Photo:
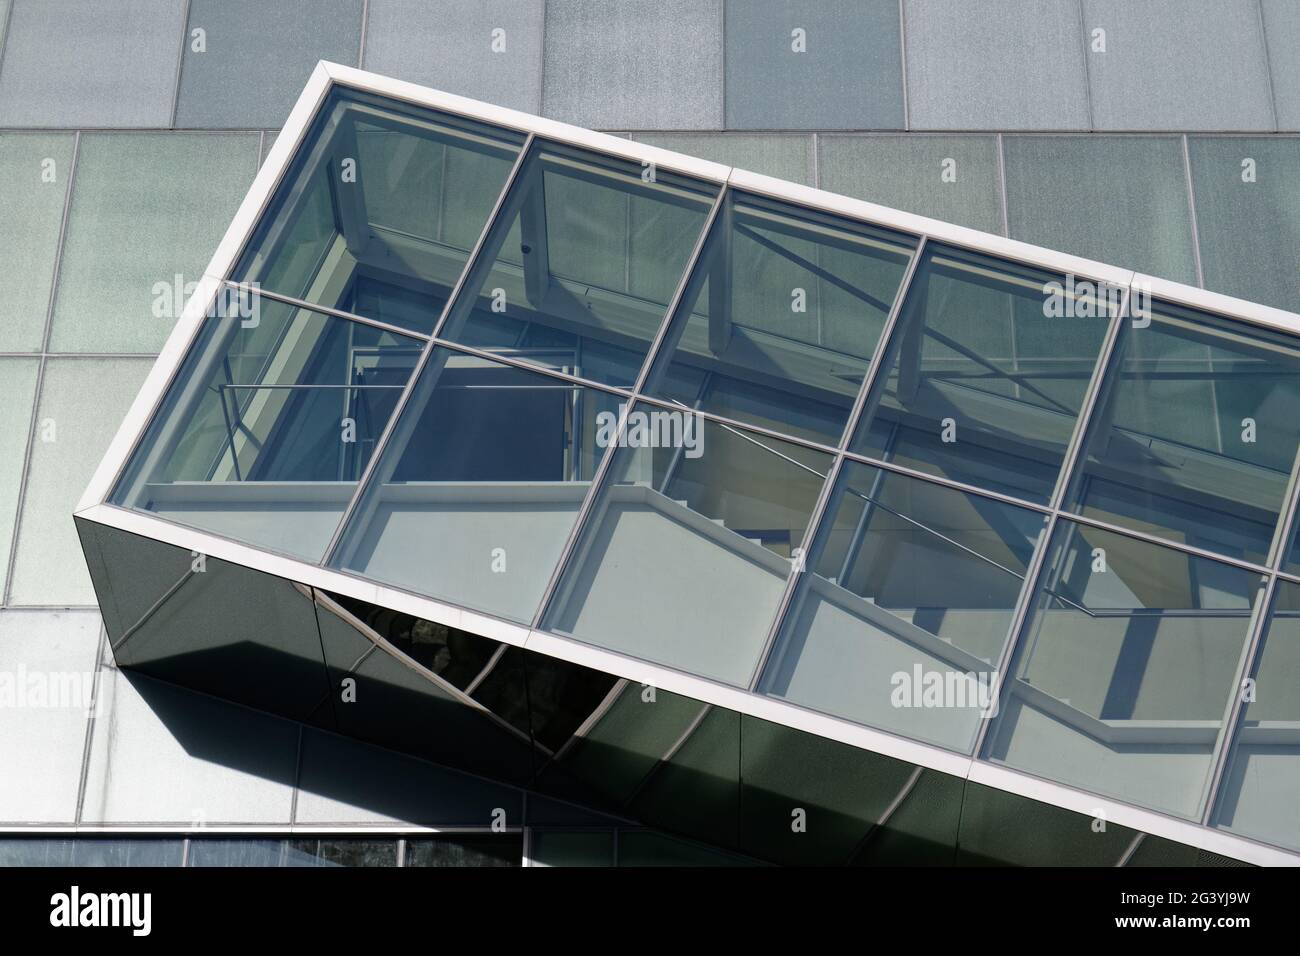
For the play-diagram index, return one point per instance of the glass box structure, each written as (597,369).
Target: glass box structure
(701,498)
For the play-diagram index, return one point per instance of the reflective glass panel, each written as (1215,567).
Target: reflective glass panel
(781,317)
(380,209)
(903,617)
(129,852)
(1258,795)
(986,371)
(1123,671)
(1195,432)
(686,552)
(332,853)
(477,491)
(269,424)
(504,850)
(583,260)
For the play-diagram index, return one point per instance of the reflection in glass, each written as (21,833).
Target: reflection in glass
(456,656)
(1258,795)
(331,853)
(381,696)
(583,261)
(129,852)
(1124,670)
(506,849)
(986,371)
(781,317)
(34,851)
(477,491)
(913,587)
(268,426)
(379,212)
(686,552)
(218,852)
(1195,432)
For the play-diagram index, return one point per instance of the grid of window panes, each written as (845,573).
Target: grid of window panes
(957,498)
(544,847)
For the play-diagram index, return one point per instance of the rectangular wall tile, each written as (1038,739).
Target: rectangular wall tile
(17,393)
(813,64)
(90,63)
(995,64)
(490,49)
(82,403)
(1282,41)
(1120,199)
(1248,216)
(953,178)
(34,170)
(786,156)
(257,57)
(146,207)
(635,64)
(160,754)
(49,658)
(1177,65)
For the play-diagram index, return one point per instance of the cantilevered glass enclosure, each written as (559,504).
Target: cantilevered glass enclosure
(994,511)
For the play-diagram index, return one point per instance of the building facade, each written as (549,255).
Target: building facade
(823,347)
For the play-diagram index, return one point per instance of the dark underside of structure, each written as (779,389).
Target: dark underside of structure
(617,753)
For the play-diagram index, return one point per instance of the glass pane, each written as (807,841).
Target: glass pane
(1258,795)
(584,259)
(781,317)
(268,426)
(127,852)
(608,761)
(687,550)
(505,850)
(457,656)
(986,371)
(216,852)
(1123,671)
(34,851)
(332,853)
(901,622)
(399,706)
(476,494)
(1195,433)
(380,210)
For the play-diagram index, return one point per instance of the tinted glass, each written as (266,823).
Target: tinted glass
(1257,796)
(475,495)
(904,615)
(686,552)
(986,371)
(504,850)
(1123,671)
(1195,433)
(583,261)
(380,210)
(781,317)
(269,425)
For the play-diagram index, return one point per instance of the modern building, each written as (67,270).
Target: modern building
(508,492)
